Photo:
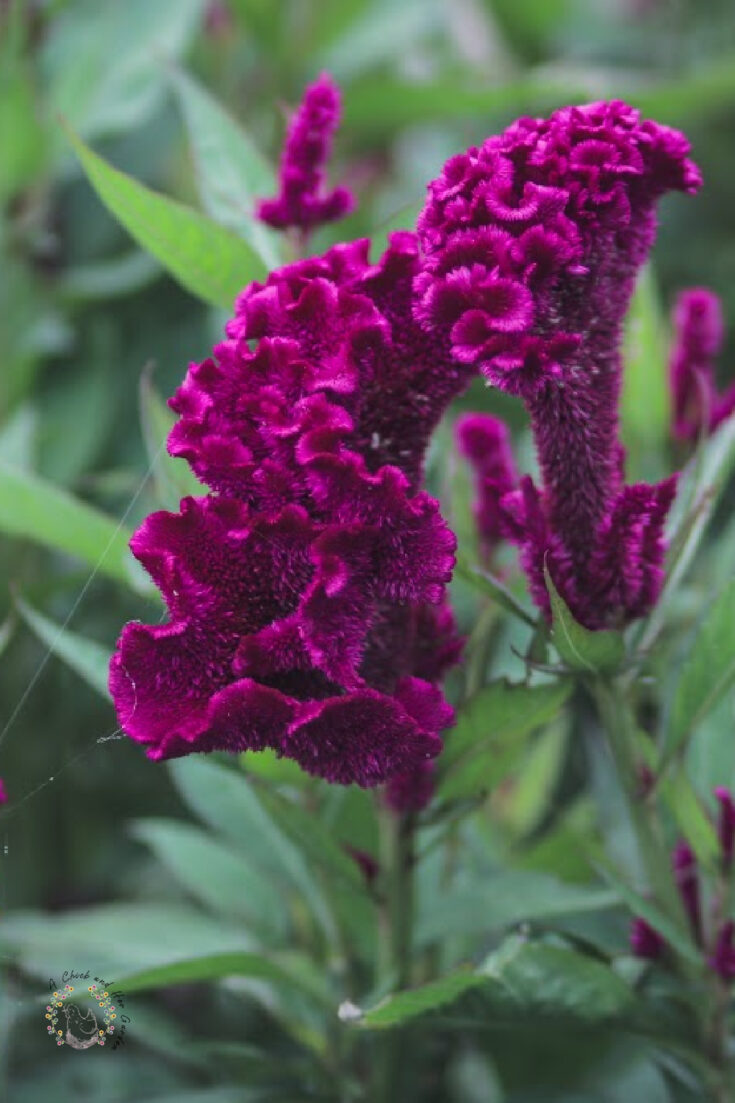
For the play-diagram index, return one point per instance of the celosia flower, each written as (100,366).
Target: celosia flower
(644,940)
(301,201)
(306,594)
(687,882)
(698,333)
(3,792)
(532,244)
(726,825)
(485,442)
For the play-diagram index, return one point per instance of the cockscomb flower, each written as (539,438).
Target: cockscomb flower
(3,792)
(302,201)
(306,593)
(485,442)
(698,335)
(532,243)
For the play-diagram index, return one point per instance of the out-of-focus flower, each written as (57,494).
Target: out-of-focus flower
(302,200)
(306,594)
(532,244)
(644,940)
(726,825)
(722,960)
(3,792)
(485,441)
(698,334)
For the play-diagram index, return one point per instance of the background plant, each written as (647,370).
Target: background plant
(526,871)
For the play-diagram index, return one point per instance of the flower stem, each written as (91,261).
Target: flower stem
(396,937)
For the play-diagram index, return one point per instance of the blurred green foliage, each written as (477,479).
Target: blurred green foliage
(185,98)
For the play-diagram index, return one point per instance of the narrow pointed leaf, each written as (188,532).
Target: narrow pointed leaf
(592,652)
(207,259)
(37,510)
(231,172)
(88,658)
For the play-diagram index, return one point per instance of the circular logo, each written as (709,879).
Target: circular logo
(81,1023)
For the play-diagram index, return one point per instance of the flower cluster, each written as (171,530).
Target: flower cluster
(698,334)
(646,942)
(306,592)
(301,202)
(485,442)
(532,244)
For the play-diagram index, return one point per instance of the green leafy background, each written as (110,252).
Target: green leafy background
(220,894)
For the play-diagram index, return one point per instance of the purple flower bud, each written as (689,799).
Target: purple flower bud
(532,244)
(3,792)
(726,825)
(722,960)
(698,334)
(306,595)
(644,940)
(687,882)
(301,201)
(485,442)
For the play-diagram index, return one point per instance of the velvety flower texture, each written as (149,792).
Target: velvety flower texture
(698,336)
(302,201)
(532,243)
(485,441)
(306,593)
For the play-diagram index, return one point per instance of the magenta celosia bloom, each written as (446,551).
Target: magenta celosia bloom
(302,201)
(645,941)
(687,882)
(306,594)
(485,442)
(698,336)
(726,825)
(532,244)
(3,792)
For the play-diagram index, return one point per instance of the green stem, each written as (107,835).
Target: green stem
(395,938)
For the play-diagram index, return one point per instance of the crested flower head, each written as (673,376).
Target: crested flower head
(306,594)
(302,201)
(532,244)
(698,336)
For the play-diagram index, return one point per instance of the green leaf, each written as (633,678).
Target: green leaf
(172,475)
(116,939)
(225,799)
(487,583)
(538,979)
(312,837)
(102,63)
(548,979)
(645,400)
(593,652)
(707,674)
(489,731)
(38,511)
(214,873)
(506,898)
(275,968)
(206,259)
(404,1006)
(231,172)
(108,279)
(88,658)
